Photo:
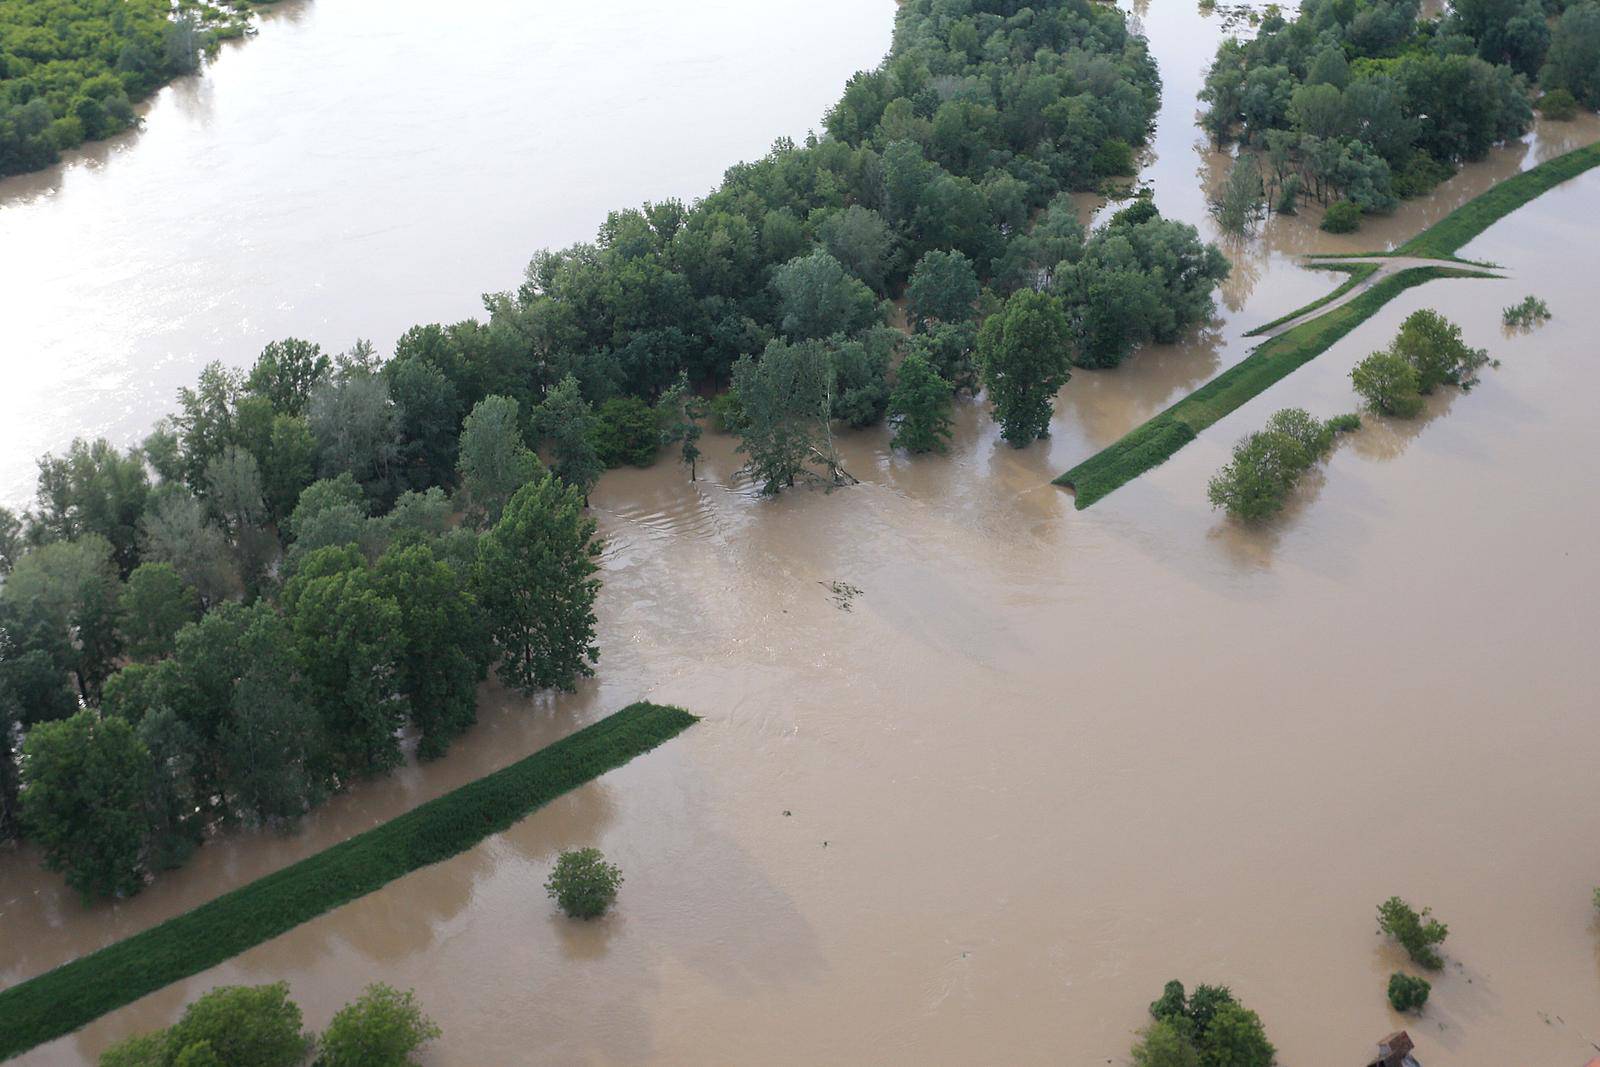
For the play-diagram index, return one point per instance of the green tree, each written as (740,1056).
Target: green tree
(246,1026)
(1417,932)
(83,802)
(679,412)
(492,458)
(10,540)
(346,635)
(785,401)
(627,432)
(428,412)
(1407,993)
(1388,385)
(381,1028)
(176,531)
(1256,482)
(1573,62)
(271,743)
(1237,205)
(817,297)
(536,586)
(583,883)
(1161,1044)
(73,586)
(171,806)
(567,420)
(943,289)
(1235,1038)
(1023,350)
(920,407)
(286,372)
(153,607)
(288,464)
(443,648)
(94,489)
(860,239)
(1432,344)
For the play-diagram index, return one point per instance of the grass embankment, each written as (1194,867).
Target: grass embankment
(1450,234)
(1153,443)
(59,1001)
(1359,272)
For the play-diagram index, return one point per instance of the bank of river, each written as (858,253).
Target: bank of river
(1050,759)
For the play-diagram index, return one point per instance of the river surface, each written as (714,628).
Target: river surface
(1048,759)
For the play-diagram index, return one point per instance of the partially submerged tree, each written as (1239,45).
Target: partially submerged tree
(920,407)
(583,883)
(1024,352)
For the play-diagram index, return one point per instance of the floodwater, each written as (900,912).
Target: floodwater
(1048,759)
(349,173)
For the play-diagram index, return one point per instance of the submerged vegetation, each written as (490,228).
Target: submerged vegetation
(1530,312)
(1407,992)
(583,883)
(1359,105)
(1157,440)
(71,70)
(59,1001)
(1427,352)
(1416,931)
(1267,464)
(1206,1028)
(260,1026)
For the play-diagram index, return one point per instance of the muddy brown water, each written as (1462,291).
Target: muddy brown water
(1049,759)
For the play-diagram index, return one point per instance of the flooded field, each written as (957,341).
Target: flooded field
(1048,759)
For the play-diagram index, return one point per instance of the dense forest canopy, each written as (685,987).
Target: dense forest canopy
(1365,100)
(71,70)
(312,558)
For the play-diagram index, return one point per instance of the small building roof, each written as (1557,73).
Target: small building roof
(1399,1041)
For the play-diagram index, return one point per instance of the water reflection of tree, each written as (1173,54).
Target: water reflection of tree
(1383,439)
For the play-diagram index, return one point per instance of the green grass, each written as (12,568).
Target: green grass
(59,1001)
(1451,233)
(1153,443)
(1359,272)
(1156,441)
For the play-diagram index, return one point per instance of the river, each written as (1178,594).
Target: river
(1050,759)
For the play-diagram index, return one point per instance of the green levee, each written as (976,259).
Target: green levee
(60,1001)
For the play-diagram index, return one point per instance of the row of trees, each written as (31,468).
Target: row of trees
(259,1026)
(71,70)
(1368,102)
(173,659)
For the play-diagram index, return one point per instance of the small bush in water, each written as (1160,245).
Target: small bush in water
(583,883)
(1343,217)
(1407,993)
(1416,931)
(1266,464)
(1532,310)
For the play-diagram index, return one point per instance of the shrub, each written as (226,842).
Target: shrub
(1558,104)
(1414,930)
(1265,466)
(1342,217)
(1208,1027)
(1344,423)
(1407,993)
(727,412)
(1432,344)
(583,883)
(1113,158)
(1388,384)
(627,432)
(380,1029)
(1420,175)
(1532,310)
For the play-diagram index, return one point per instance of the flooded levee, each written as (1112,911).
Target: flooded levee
(1047,759)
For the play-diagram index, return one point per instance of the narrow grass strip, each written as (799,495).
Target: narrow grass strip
(60,1001)
(1451,233)
(1156,441)
(1359,272)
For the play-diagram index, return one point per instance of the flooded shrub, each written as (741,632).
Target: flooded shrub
(727,412)
(583,883)
(1388,384)
(627,432)
(1416,932)
(1209,1026)
(1344,423)
(381,1028)
(1531,311)
(1113,158)
(1433,345)
(1407,993)
(1558,104)
(1343,217)
(1265,466)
